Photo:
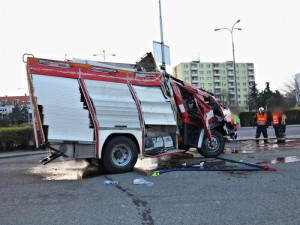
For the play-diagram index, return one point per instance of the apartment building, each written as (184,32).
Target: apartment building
(218,78)
(7,103)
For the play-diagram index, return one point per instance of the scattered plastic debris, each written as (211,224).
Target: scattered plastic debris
(200,165)
(111,182)
(142,181)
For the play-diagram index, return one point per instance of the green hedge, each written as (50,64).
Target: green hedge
(293,117)
(12,138)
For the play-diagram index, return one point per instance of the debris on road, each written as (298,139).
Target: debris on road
(111,182)
(142,181)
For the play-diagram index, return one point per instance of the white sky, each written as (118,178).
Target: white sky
(270,37)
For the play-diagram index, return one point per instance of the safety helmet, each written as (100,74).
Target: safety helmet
(261,109)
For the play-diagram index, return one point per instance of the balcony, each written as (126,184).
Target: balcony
(250,74)
(217,87)
(194,75)
(232,99)
(230,74)
(194,81)
(230,67)
(250,68)
(216,74)
(230,80)
(216,68)
(251,80)
(231,86)
(217,80)
(232,92)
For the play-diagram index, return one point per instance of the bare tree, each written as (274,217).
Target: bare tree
(291,92)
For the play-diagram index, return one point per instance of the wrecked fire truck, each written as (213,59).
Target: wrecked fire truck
(112,113)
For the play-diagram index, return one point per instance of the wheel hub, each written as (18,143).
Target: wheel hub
(121,155)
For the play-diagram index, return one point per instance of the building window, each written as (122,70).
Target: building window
(201,72)
(223,78)
(243,66)
(186,79)
(244,78)
(244,72)
(209,84)
(224,90)
(185,66)
(209,78)
(245,89)
(224,84)
(239,102)
(208,72)
(2,103)
(237,78)
(186,72)
(202,85)
(239,96)
(210,90)
(222,66)
(237,72)
(208,66)
(239,90)
(238,84)
(246,96)
(244,84)
(15,102)
(201,78)
(236,66)
(223,72)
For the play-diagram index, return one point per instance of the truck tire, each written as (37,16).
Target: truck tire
(213,148)
(119,155)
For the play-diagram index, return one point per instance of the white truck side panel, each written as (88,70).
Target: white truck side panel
(62,110)
(156,108)
(103,135)
(114,104)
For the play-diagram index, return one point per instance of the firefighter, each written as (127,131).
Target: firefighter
(278,125)
(261,122)
(284,124)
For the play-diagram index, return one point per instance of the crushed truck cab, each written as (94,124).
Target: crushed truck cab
(111,113)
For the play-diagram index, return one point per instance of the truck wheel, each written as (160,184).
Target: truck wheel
(119,155)
(213,148)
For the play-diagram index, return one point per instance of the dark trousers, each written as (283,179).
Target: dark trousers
(263,130)
(279,132)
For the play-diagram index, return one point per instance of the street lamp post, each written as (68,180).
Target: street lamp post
(233,55)
(104,55)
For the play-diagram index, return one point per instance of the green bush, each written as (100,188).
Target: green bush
(293,117)
(12,138)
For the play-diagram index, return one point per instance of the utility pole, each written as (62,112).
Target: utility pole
(233,55)
(163,66)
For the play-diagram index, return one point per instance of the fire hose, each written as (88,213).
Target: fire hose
(256,168)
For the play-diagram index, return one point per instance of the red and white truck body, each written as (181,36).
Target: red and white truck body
(114,112)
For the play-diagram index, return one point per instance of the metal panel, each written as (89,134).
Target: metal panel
(85,151)
(155,106)
(62,109)
(114,104)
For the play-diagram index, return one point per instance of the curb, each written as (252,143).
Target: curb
(22,154)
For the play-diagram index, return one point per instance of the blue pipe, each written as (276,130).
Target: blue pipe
(243,163)
(207,169)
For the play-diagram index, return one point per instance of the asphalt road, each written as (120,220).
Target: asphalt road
(176,197)
(249,132)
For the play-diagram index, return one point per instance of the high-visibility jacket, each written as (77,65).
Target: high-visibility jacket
(261,120)
(275,118)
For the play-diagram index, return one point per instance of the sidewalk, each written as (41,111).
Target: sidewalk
(5,155)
